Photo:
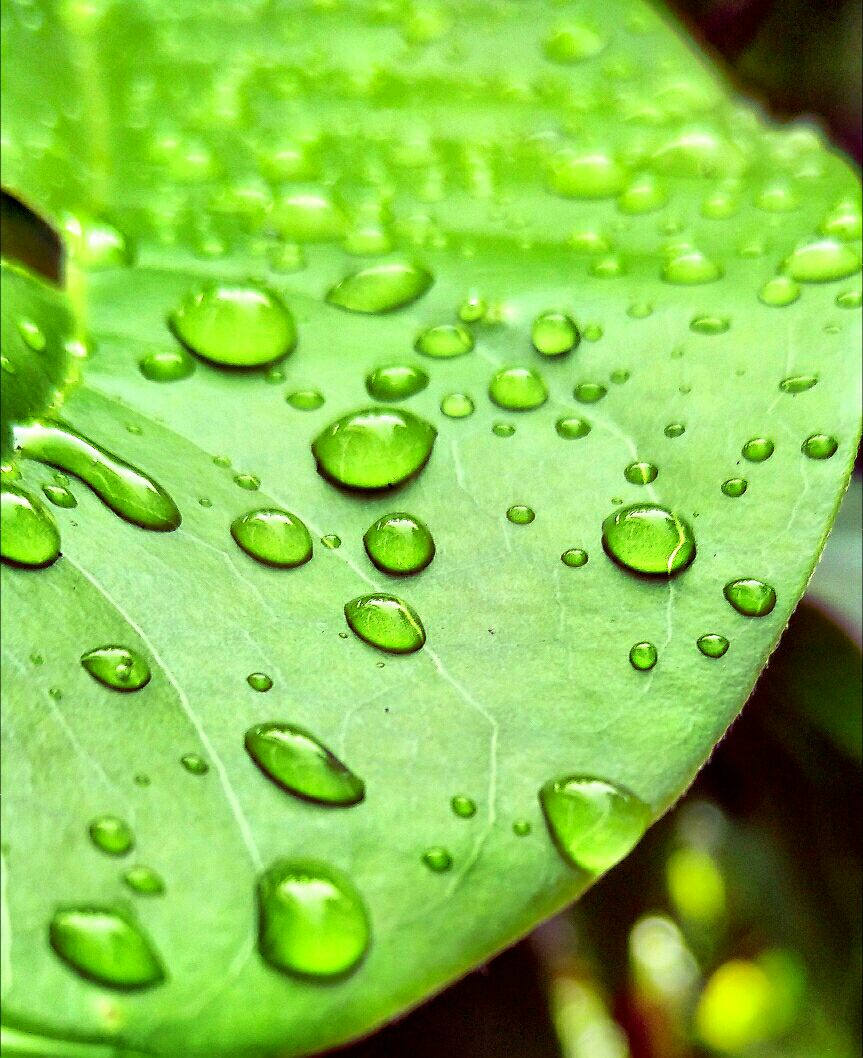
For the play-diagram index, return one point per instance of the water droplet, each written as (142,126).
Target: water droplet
(273,537)
(249,482)
(591,175)
(720,205)
(798,383)
(111,835)
(381,288)
(194,764)
(464,807)
(32,334)
(259,681)
(640,473)
(222,461)
(235,325)
(712,645)
(502,429)
(119,668)
(819,446)
(777,198)
(457,405)
(643,656)
(437,859)
(167,365)
(298,762)
(554,333)
(517,389)
(60,496)
(571,428)
(674,429)
(650,539)
(608,268)
(94,244)
(309,216)
(844,221)
(850,299)
(396,382)
(757,449)
(28,533)
(36,658)
(640,310)
(822,262)
(574,557)
(710,325)
(399,543)
(331,541)
(690,268)
(750,597)
(779,292)
(444,341)
(305,399)
(312,921)
(519,514)
(105,946)
(589,392)
(644,195)
(572,43)
(385,622)
(127,491)
(472,309)
(287,258)
(521,828)
(735,487)
(593,823)
(144,880)
(374,448)
(592,332)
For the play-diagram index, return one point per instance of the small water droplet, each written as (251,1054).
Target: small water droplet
(710,325)
(444,341)
(819,446)
(720,205)
(517,389)
(305,399)
(112,835)
(712,645)
(644,195)
(649,539)
(396,382)
(574,557)
(798,383)
(312,921)
(640,473)
(144,880)
(735,487)
(28,532)
(674,429)
(777,198)
(287,258)
(608,268)
(437,859)
(457,405)
(194,764)
(60,496)
(572,43)
(521,828)
(472,309)
(298,762)
(32,334)
(571,427)
(590,175)
(36,658)
(399,543)
(273,537)
(750,597)
(519,514)
(844,221)
(94,244)
(757,449)
(331,542)
(119,668)
(385,622)
(249,482)
(593,823)
(381,288)
(464,807)
(554,333)
(640,310)
(503,429)
(222,461)
(643,656)
(374,448)
(779,292)
(850,299)
(105,946)
(822,262)
(259,681)
(589,392)
(167,365)
(689,268)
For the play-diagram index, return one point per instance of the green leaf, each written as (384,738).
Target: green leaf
(528,166)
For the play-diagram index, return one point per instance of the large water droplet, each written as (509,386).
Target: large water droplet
(374,448)
(643,656)
(445,341)
(105,946)
(119,668)
(554,333)
(60,496)
(822,262)
(399,543)
(28,533)
(112,835)
(235,325)
(735,487)
(750,597)
(273,537)
(593,823)
(758,449)
(381,288)
(650,539)
(819,446)
(127,491)
(520,514)
(517,389)
(396,382)
(712,645)
(312,921)
(298,762)
(386,622)
(464,807)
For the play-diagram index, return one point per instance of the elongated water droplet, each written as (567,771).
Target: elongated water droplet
(331,542)
(735,487)
(32,334)
(750,597)
(644,195)
(464,807)
(445,341)
(60,496)
(819,446)
(710,325)
(28,533)
(554,333)
(674,429)
(517,389)
(589,392)
(167,365)
(798,383)
(822,262)
(849,299)
(94,244)
(249,482)
(105,946)
(399,543)
(640,473)
(126,490)
(650,539)
(758,449)
(519,514)
(112,835)
(381,288)
(779,292)
(593,823)
(374,448)
(503,429)
(260,681)
(235,325)
(144,880)
(572,43)
(691,268)
(298,762)
(643,656)
(396,382)
(574,557)
(590,175)
(437,859)
(194,764)
(712,645)
(119,668)
(385,622)
(312,921)
(273,537)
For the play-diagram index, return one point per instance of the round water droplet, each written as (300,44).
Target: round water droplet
(385,622)
(464,807)
(374,448)
(309,216)
(457,405)
(396,382)
(298,762)
(819,446)
(798,383)
(571,428)
(640,473)
(712,645)
(850,299)
(750,597)
(60,496)
(593,823)
(591,175)
(640,310)
(305,399)
(674,429)
(331,541)
(572,43)
(437,859)
(28,533)
(472,309)
(312,921)
(259,681)
(32,334)
(643,656)
(519,514)
(822,262)
(119,668)
(167,365)
(709,325)
(249,482)
(517,389)
(105,946)
(554,333)
(757,449)
(144,880)
(381,288)
(111,835)
(503,429)
(399,543)
(235,325)
(574,557)
(273,537)
(779,292)
(735,487)
(649,539)
(644,195)
(444,341)
(691,268)
(521,828)
(194,764)
(589,392)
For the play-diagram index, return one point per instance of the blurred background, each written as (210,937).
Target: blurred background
(735,927)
